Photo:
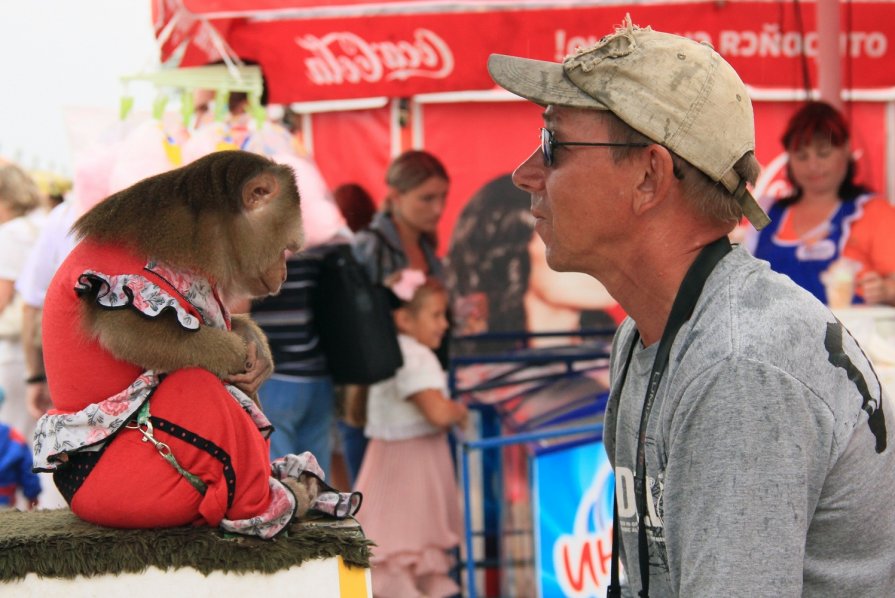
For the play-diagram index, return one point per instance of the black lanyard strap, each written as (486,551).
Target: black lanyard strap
(681,310)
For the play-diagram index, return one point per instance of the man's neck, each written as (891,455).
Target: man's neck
(648,298)
(648,294)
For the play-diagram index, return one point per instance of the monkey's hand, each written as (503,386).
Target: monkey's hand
(259,362)
(258,369)
(162,344)
(306,488)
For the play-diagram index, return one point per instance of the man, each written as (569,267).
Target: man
(769,463)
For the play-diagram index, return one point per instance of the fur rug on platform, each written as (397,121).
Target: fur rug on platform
(59,545)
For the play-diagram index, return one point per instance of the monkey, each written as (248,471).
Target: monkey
(250,204)
(137,340)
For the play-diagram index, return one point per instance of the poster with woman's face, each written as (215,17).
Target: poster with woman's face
(500,280)
(502,290)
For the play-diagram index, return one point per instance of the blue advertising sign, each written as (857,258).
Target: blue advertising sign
(573,521)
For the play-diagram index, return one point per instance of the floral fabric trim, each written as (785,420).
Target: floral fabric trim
(338,504)
(329,500)
(88,429)
(292,466)
(92,426)
(197,290)
(249,406)
(279,513)
(147,297)
(133,290)
(281,510)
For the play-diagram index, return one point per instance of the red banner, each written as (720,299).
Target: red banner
(480,142)
(403,55)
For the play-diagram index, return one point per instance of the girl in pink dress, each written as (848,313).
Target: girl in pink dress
(411,503)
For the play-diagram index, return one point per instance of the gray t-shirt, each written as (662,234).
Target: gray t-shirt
(771,465)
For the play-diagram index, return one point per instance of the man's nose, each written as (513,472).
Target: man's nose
(529,176)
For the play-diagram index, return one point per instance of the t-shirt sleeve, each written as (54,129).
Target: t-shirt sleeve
(750,450)
(421,371)
(872,238)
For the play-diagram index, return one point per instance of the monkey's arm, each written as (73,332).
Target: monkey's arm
(259,361)
(162,344)
(245,327)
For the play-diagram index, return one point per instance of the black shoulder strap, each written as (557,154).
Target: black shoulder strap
(380,247)
(681,310)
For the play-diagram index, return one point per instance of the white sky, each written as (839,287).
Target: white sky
(59,54)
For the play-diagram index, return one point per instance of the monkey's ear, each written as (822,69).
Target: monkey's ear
(260,190)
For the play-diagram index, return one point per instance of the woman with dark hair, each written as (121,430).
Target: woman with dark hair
(828,216)
(488,262)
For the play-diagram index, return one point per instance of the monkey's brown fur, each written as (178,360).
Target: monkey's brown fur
(228,216)
(305,489)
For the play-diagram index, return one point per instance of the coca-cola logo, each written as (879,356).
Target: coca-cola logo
(344,57)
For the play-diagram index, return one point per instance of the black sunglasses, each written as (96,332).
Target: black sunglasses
(549,143)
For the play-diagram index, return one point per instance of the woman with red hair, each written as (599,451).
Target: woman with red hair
(828,216)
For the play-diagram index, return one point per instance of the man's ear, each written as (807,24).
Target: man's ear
(656,179)
(260,190)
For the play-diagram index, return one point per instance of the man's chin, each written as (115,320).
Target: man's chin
(556,262)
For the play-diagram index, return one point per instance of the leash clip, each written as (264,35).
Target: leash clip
(146,430)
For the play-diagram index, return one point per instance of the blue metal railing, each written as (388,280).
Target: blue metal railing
(595,430)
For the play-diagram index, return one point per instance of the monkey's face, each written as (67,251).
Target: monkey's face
(272,273)
(269,281)
(273,216)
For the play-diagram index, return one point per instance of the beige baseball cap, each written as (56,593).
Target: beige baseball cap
(678,92)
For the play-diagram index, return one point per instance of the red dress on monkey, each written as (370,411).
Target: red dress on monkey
(106,470)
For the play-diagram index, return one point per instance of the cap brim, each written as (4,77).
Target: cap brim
(538,81)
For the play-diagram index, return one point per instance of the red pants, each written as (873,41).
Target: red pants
(210,435)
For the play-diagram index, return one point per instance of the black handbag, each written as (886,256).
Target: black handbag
(354,320)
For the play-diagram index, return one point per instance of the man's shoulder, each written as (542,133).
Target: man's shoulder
(754,315)
(757,303)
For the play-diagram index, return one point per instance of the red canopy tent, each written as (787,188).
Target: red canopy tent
(375,77)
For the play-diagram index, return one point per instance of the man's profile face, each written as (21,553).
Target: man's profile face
(578,202)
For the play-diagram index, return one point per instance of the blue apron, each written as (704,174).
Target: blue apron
(804,263)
